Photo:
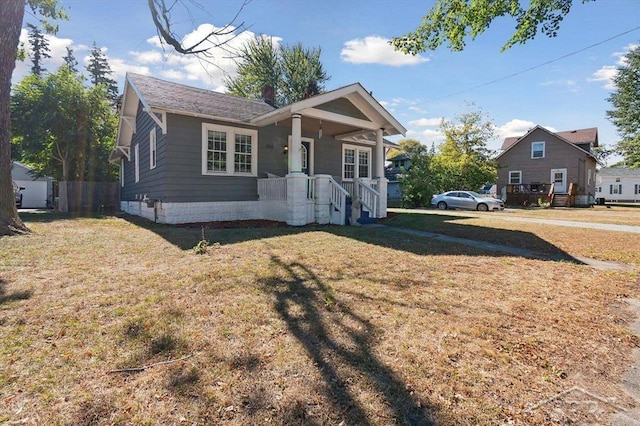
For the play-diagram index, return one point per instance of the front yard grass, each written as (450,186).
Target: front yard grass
(315,325)
(598,244)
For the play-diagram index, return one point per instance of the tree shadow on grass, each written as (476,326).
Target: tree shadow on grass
(11,297)
(340,344)
(526,244)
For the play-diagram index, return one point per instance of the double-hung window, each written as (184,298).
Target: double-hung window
(136,151)
(515,177)
(537,149)
(229,150)
(615,189)
(356,162)
(152,149)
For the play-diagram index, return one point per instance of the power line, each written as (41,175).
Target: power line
(535,67)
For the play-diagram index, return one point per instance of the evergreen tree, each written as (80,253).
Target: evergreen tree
(100,72)
(294,73)
(39,49)
(70,60)
(625,114)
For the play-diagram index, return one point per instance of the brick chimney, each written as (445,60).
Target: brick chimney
(269,95)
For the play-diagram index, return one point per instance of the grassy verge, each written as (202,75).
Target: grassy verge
(318,325)
(549,239)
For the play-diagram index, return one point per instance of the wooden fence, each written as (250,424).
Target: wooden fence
(86,197)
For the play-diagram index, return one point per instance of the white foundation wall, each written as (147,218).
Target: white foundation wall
(177,213)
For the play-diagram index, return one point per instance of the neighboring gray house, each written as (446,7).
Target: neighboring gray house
(192,155)
(553,167)
(398,164)
(37,192)
(618,184)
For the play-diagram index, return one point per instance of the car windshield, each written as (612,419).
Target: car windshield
(475,194)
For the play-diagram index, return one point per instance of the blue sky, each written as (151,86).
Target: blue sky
(566,94)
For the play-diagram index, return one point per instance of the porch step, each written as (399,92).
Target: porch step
(364,218)
(560,200)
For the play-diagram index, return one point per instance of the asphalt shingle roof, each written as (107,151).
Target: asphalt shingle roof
(180,98)
(589,135)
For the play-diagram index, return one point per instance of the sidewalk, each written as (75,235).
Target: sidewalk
(570,223)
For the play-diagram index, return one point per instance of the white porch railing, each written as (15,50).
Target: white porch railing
(367,196)
(338,200)
(272,189)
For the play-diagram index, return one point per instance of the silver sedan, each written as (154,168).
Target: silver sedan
(467,200)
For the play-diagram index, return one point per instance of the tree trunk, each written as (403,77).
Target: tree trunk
(11,15)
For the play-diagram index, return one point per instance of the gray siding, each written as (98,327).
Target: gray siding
(558,155)
(178,174)
(151,181)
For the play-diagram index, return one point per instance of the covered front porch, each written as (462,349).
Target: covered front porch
(323,184)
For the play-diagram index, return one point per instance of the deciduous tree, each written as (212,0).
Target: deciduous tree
(455,21)
(625,114)
(11,15)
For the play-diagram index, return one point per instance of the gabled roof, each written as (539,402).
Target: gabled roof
(174,97)
(160,96)
(580,136)
(618,172)
(572,137)
(375,116)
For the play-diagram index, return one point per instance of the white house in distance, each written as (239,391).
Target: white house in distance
(618,184)
(37,192)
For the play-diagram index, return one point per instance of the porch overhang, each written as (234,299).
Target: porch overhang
(349,113)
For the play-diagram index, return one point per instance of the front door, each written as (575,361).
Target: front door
(305,152)
(559,178)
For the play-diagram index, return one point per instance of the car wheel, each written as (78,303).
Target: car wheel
(442,205)
(482,207)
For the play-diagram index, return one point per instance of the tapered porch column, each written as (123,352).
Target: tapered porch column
(382,181)
(295,160)
(296,180)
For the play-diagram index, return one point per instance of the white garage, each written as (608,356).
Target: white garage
(34,194)
(37,192)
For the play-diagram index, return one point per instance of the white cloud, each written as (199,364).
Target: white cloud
(426,137)
(426,122)
(376,50)
(515,127)
(608,72)
(570,85)
(605,75)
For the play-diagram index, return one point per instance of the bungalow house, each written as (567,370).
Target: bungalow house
(558,168)
(618,184)
(192,155)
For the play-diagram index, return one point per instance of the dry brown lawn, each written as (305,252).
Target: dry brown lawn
(314,326)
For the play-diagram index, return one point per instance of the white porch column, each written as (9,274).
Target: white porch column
(379,153)
(323,195)
(295,160)
(382,181)
(296,199)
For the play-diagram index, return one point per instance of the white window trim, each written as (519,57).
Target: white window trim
(153,149)
(519,172)
(543,149)
(311,152)
(136,153)
(356,172)
(231,144)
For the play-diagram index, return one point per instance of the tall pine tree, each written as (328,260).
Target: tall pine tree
(39,49)
(70,60)
(100,72)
